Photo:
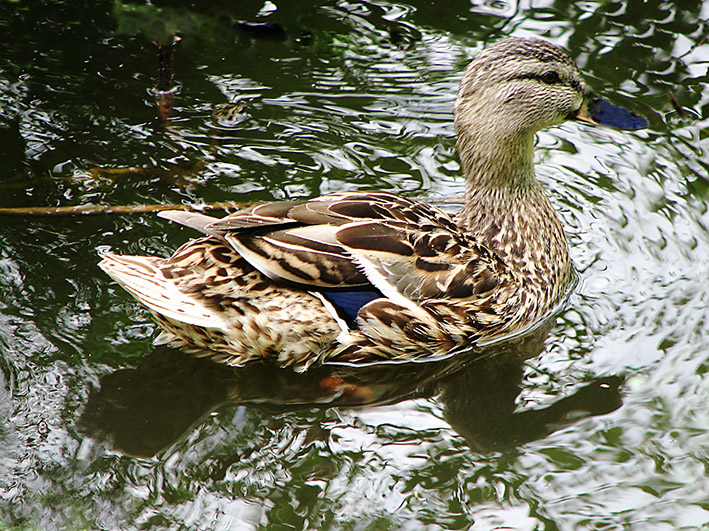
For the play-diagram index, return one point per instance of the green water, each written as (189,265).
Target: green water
(602,423)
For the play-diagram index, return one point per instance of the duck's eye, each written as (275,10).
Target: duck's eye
(550,77)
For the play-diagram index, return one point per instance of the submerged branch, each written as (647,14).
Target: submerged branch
(117,209)
(89,210)
(164,92)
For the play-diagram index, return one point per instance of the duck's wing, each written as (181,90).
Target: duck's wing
(420,262)
(405,249)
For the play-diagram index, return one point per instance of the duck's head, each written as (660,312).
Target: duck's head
(517,86)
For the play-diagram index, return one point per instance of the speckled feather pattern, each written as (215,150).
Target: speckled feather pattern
(256,317)
(254,287)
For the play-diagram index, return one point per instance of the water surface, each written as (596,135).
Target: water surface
(599,422)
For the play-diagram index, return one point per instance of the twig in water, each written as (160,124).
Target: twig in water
(87,210)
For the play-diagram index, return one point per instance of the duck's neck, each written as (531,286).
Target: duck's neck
(507,210)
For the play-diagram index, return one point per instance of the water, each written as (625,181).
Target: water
(600,424)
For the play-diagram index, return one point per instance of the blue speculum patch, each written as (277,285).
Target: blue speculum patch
(605,113)
(348,303)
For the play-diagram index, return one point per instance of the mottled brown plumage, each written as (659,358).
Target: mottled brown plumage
(264,283)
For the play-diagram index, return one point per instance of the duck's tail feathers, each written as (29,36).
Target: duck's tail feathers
(143,278)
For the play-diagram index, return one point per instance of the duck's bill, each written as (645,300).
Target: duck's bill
(602,112)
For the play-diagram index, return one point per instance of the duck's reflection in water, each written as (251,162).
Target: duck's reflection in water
(146,409)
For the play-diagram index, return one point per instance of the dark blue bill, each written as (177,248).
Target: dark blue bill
(605,113)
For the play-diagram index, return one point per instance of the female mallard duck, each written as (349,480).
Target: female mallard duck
(372,275)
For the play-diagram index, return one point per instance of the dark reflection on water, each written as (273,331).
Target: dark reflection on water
(144,410)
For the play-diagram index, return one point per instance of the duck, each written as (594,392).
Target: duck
(358,276)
